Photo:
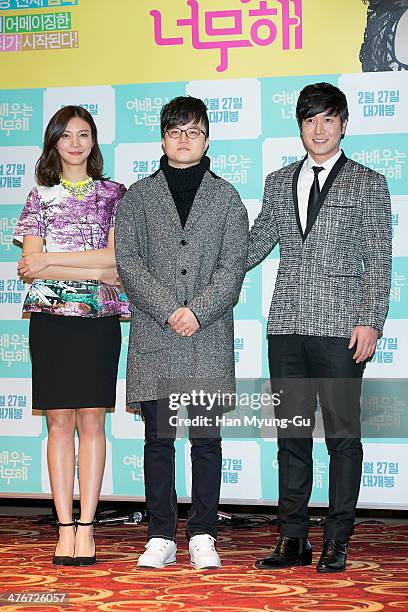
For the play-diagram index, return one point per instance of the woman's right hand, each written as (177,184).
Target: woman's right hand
(109,276)
(32,263)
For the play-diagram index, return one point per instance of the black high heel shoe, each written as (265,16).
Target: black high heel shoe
(63,559)
(85,560)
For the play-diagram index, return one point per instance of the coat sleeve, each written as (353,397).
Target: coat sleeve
(263,236)
(377,254)
(143,289)
(223,291)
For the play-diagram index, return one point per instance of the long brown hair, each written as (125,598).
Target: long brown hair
(48,167)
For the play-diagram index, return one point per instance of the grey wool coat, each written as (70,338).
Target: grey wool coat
(336,274)
(164,266)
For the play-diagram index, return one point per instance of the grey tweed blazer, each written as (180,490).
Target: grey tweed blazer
(336,274)
(163,267)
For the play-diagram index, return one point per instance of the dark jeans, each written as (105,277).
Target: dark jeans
(304,367)
(159,473)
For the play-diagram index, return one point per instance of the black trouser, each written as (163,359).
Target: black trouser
(159,473)
(322,366)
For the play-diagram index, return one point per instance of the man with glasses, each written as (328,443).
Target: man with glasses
(181,247)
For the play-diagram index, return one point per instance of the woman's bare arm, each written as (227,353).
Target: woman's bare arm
(34,260)
(33,245)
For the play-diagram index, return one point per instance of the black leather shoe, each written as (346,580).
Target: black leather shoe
(63,559)
(333,558)
(289,552)
(85,560)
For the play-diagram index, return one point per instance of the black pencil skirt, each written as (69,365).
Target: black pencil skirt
(74,361)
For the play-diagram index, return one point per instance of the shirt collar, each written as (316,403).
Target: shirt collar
(328,164)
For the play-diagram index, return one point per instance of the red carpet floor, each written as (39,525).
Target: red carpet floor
(376,577)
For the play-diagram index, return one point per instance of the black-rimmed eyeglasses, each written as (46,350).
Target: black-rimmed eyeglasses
(191,133)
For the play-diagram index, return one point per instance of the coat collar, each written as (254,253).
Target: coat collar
(201,202)
(161,191)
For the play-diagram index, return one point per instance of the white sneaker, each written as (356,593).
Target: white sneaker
(202,552)
(159,553)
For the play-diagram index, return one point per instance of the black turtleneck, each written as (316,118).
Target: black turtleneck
(184,183)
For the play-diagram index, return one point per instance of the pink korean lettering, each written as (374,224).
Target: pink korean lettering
(263,31)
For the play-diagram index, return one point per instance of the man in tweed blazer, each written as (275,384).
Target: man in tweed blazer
(332,220)
(181,249)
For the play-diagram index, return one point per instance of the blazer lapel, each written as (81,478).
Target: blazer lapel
(327,184)
(295,179)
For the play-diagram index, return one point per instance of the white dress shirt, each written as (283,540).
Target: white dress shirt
(305,182)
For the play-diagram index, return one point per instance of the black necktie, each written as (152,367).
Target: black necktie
(314,192)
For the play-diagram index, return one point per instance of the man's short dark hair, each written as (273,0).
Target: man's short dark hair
(182,110)
(321,98)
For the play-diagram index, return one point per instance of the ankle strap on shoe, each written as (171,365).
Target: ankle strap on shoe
(66,524)
(85,524)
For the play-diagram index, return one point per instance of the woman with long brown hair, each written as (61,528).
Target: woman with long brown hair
(66,228)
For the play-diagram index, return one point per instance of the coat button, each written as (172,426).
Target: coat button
(184,271)
(183,242)
(185,302)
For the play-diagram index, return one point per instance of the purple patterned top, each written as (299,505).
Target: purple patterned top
(68,224)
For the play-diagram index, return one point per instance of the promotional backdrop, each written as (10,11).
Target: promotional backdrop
(248,62)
